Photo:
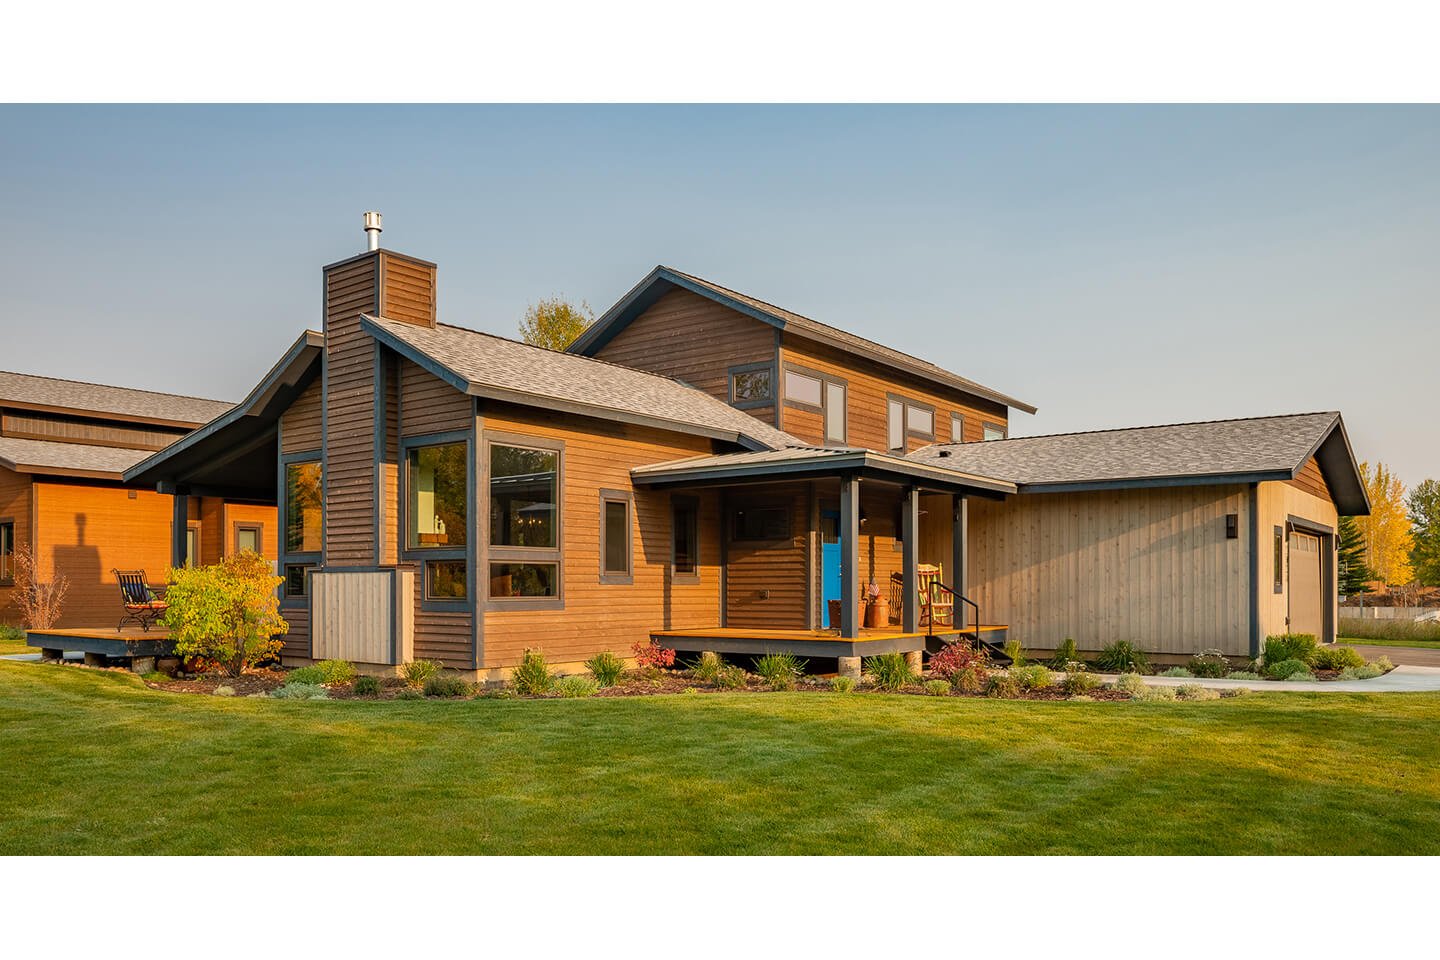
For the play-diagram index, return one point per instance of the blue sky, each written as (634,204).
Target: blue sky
(1113,265)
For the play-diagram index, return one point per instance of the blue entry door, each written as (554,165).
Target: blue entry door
(829,563)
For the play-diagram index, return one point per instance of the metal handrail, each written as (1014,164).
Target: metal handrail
(963,599)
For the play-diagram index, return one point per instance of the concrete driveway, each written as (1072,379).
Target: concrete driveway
(1413,656)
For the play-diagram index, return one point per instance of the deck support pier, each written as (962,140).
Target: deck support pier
(142,664)
(910,531)
(916,661)
(959,556)
(96,660)
(848,667)
(51,653)
(849,556)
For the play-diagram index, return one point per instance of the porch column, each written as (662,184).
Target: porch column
(910,530)
(179,525)
(849,556)
(959,556)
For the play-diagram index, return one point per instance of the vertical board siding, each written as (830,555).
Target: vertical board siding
(598,455)
(1151,566)
(695,339)
(1280,500)
(300,424)
(779,569)
(868,382)
(350,289)
(354,615)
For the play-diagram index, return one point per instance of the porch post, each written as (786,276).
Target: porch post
(179,526)
(849,556)
(959,556)
(910,530)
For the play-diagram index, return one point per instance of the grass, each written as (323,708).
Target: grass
(1366,641)
(761,773)
(12,640)
(1408,632)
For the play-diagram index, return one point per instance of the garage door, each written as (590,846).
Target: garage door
(1307,611)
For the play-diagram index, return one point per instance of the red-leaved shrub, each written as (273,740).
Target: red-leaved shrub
(651,654)
(961,664)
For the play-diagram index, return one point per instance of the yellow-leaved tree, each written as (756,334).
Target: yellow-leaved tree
(554,322)
(227,612)
(1387,530)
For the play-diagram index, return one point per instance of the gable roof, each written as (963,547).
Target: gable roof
(663,279)
(484,365)
(1216,451)
(53,458)
(28,391)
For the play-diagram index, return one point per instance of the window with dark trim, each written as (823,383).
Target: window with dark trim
(7,552)
(995,431)
(822,393)
(957,428)
(760,523)
(525,520)
(905,419)
(437,481)
(297,579)
(685,536)
(803,388)
(249,536)
(192,545)
(752,385)
(615,537)
(446,580)
(304,515)
(1279,559)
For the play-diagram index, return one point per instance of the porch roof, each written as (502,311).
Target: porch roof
(799,462)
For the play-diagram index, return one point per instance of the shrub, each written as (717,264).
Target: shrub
(1079,683)
(937,688)
(842,684)
(1368,672)
(1286,669)
(448,685)
(1064,654)
(12,634)
(311,675)
(1306,677)
(301,691)
(651,656)
(1122,656)
(532,677)
(1034,677)
(39,601)
(1383,664)
(1336,657)
(606,668)
(1015,652)
(1131,683)
(889,671)
(409,693)
(367,686)
(1176,672)
(732,677)
(962,665)
(707,668)
(780,670)
(224,691)
(1003,684)
(1388,630)
(1289,646)
(1194,691)
(228,612)
(1209,663)
(576,686)
(1243,675)
(336,671)
(1155,692)
(416,672)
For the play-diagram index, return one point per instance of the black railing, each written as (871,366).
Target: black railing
(963,599)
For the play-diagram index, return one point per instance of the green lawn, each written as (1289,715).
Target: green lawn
(12,640)
(1421,644)
(98,763)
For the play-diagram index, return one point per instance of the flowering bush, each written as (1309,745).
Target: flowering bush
(956,660)
(651,655)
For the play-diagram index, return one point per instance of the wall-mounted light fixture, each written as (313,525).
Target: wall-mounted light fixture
(1232,526)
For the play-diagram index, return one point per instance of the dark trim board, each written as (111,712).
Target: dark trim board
(839,647)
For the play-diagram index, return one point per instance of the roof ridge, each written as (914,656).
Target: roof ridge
(1147,426)
(113,386)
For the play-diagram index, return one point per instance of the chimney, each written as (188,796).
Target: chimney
(372,229)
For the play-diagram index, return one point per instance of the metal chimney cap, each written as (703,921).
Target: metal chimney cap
(373,228)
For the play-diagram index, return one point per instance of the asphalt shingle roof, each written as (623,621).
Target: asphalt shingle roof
(497,363)
(116,401)
(1212,448)
(38,456)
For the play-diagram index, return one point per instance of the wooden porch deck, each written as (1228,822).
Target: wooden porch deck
(812,643)
(104,641)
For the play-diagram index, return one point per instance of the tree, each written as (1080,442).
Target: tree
(1387,529)
(39,601)
(228,612)
(1424,511)
(1355,574)
(554,322)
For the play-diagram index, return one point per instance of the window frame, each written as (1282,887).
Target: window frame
(827,380)
(988,425)
(957,427)
(766,366)
(906,433)
(296,598)
(627,500)
(1278,557)
(259,529)
(8,579)
(419,556)
(191,562)
(693,504)
(492,553)
(300,558)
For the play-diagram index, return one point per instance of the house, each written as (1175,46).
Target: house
(64,447)
(717,473)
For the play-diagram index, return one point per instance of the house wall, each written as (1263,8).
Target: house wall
(300,432)
(15,505)
(351,288)
(603,616)
(766,582)
(867,386)
(69,429)
(1280,500)
(695,339)
(1152,566)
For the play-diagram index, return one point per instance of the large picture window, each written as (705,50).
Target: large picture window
(436,480)
(525,522)
(304,513)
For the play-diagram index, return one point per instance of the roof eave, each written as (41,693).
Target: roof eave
(832,463)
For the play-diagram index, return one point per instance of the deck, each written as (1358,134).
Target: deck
(814,643)
(104,641)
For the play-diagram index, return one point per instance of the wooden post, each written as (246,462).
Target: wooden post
(179,526)
(960,557)
(910,530)
(849,556)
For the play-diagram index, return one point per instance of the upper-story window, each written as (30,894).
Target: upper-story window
(752,385)
(304,515)
(803,388)
(823,394)
(994,431)
(957,428)
(907,418)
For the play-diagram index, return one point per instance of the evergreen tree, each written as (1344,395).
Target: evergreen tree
(1354,574)
(1423,505)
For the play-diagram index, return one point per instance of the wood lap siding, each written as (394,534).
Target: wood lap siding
(407,291)
(598,455)
(429,404)
(779,567)
(297,640)
(692,338)
(350,290)
(40,426)
(1312,481)
(15,505)
(300,424)
(1151,566)
(868,383)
